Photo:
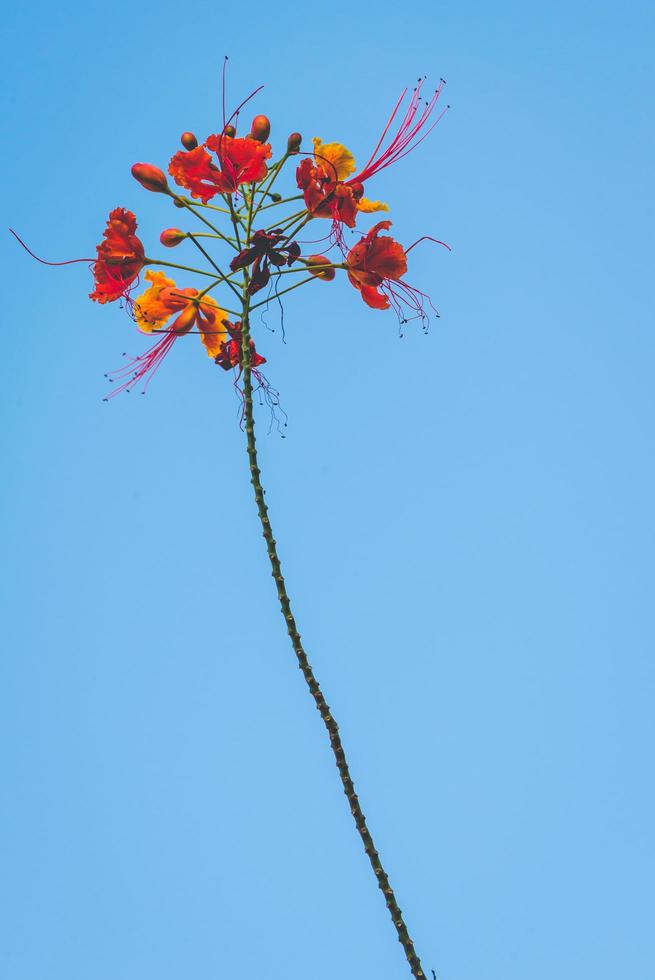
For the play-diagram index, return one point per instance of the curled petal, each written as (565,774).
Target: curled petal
(211,324)
(369,207)
(241,160)
(194,170)
(337,161)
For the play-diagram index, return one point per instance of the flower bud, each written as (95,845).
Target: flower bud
(293,143)
(188,140)
(261,128)
(152,178)
(275,197)
(170,237)
(326,274)
(230,131)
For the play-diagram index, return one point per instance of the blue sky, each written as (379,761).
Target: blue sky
(465,518)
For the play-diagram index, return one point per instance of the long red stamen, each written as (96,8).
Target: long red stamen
(407,137)
(43,261)
(143,366)
(427,238)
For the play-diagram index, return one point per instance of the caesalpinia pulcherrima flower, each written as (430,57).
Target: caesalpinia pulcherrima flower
(240,161)
(248,255)
(120,258)
(330,186)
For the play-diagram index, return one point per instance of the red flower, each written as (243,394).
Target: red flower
(374,261)
(241,161)
(120,258)
(375,266)
(325,192)
(231,354)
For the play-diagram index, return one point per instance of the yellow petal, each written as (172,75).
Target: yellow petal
(368,207)
(211,327)
(149,311)
(334,157)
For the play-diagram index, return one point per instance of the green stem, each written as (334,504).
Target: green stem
(286,222)
(183,202)
(200,204)
(285,200)
(216,267)
(266,187)
(287,290)
(174,265)
(304,665)
(291,234)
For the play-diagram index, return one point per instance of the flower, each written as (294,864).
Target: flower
(120,258)
(375,266)
(266,248)
(241,161)
(158,304)
(322,181)
(231,353)
(374,262)
(329,183)
(153,310)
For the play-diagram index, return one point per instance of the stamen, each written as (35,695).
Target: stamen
(43,261)
(143,366)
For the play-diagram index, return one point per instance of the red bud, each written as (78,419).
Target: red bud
(294,142)
(260,129)
(325,274)
(230,131)
(152,178)
(170,237)
(188,140)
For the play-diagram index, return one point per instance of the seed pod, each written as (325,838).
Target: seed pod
(326,274)
(261,128)
(170,237)
(188,140)
(293,143)
(150,177)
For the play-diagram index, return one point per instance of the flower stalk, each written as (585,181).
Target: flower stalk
(313,686)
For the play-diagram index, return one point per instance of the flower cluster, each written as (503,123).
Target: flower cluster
(229,180)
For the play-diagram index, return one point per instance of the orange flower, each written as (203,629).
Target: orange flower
(120,258)
(153,310)
(376,262)
(241,161)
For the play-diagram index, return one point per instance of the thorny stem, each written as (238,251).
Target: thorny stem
(303,663)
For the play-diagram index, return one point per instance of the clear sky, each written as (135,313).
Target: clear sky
(465,518)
